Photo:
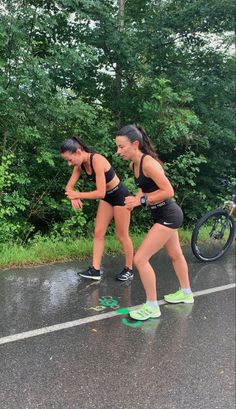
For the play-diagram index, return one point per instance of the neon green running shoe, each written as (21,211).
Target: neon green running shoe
(178,297)
(145,312)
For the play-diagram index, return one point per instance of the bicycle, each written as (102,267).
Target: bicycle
(214,232)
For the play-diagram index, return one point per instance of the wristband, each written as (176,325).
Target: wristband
(143,201)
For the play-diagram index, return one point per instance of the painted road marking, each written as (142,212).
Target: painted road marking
(94,318)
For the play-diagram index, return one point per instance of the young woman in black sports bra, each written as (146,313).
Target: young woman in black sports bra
(155,192)
(111,193)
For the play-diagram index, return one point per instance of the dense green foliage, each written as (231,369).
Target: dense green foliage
(87,67)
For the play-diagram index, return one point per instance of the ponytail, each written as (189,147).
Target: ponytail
(147,146)
(137,133)
(74,143)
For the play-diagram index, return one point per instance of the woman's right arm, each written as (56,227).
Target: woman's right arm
(76,204)
(133,201)
(74,178)
(139,193)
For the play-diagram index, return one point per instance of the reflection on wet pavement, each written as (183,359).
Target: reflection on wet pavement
(41,296)
(184,359)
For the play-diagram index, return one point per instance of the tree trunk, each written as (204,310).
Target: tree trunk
(4,143)
(121,5)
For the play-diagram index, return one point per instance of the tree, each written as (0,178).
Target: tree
(88,67)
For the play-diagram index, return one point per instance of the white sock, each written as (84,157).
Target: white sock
(187,290)
(152,303)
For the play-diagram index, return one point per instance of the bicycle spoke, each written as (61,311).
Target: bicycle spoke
(213,236)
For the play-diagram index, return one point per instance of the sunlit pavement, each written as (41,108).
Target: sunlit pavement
(97,358)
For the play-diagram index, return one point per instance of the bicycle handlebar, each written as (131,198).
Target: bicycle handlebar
(226,183)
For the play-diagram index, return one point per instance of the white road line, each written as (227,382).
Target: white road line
(87,320)
(214,289)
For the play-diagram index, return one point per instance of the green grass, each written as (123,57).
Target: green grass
(46,251)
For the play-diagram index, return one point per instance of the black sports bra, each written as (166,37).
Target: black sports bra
(109,174)
(145,183)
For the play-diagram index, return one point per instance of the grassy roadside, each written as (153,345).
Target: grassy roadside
(50,252)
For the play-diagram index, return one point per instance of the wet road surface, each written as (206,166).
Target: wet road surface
(185,359)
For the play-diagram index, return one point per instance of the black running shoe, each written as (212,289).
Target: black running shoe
(91,273)
(125,274)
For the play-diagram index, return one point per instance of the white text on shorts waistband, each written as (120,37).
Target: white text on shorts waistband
(112,190)
(155,206)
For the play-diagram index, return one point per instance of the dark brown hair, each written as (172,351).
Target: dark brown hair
(137,133)
(74,143)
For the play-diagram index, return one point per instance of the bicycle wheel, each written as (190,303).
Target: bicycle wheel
(213,235)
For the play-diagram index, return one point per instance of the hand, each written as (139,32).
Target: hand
(131,202)
(72,194)
(77,204)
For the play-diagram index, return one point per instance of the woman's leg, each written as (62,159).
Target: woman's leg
(103,218)
(156,238)
(122,221)
(174,251)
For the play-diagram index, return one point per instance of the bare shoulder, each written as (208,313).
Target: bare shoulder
(99,161)
(151,165)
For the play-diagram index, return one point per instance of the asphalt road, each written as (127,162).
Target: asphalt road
(59,348)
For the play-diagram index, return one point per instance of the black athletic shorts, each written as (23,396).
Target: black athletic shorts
(167,213)
(117,195)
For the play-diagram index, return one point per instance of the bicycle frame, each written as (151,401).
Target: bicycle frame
(230,205)
(220,228)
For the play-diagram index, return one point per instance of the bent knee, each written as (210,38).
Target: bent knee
(176,255)
(99,233)
(139,259)
(122,237)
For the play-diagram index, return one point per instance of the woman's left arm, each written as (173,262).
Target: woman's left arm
(154,170)
(100,192)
